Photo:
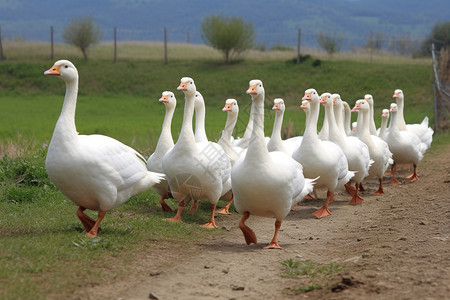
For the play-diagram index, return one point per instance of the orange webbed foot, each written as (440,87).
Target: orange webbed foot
(357,199)
(322,212)
(273,245)
(209,225)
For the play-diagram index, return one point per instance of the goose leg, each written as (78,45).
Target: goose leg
(249,235)
(394,175)
(380,190)
(350,190)
(323,211)
(414,176)
(177,217)
(361,188)
(94,229)
(356,199)
(274,243)
(194,207)
(226,209)
(211,223)
(87,221)
(164,205)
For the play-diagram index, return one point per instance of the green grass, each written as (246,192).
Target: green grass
(311,274)
(43,248)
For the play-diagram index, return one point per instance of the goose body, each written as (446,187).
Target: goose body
(276,143)
(323,159)
(95,172)
(406,147)
(422,130)
(264,183)
(378,149)
(165,143)
(195,171)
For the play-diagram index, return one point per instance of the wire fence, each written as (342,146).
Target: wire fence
(441,69)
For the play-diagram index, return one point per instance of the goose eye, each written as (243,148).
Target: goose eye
(66,66)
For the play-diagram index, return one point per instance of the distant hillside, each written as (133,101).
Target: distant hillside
(276,22)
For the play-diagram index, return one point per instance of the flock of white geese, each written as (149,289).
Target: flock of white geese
(263,176)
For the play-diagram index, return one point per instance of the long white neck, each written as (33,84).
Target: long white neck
(339,117)
(186,137)
(276,143)
(310,133)
(65,128)
(364,119)
(335,135)
(325,131)
(228,130)
(400,119)
(393,125)
(165,139)
(383,127)
(244,142)
(200,133)
(347,118)
(373,128)
(257,149)
(359,124)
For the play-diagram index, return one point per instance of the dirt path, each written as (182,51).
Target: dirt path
(395,246)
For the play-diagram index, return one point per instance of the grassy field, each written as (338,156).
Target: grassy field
(43,249)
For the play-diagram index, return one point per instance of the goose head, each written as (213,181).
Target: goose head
(337,101)
(311,95)
(168,99)
(187,85)
(255,87)
(305,106)
(361,105)
(326,99)
(63,69)
(385,113)
(393,108)
(231,106)
(398,94)
(368,98)
(199,102)
(278,105)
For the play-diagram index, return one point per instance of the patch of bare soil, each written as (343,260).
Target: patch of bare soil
(395,246)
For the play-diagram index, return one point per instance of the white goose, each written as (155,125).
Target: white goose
(165,143)
(195,170)
(264,183)
(95,172)
(378,149)
(355,150)
(321,158)
(233,152)
(405,146)
(422,130)
(382,131)
(275,143)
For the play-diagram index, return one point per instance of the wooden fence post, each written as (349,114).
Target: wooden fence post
(52,56)
(298,44)
(165,45)
(2,57)
(115,45)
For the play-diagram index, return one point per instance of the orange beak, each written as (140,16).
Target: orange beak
(164,99)
(395,95)
(303,106)
(53,71)
(356,108)
(251,90)
(392,109)
(307,97)
(322,100)
(276,106)
(227,107)
(182,86)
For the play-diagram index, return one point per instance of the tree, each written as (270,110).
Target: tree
(229,35)
(330,43)
(440,36)
(82,33)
